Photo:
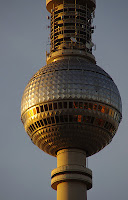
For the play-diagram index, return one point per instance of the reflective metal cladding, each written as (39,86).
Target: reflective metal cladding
(92,110)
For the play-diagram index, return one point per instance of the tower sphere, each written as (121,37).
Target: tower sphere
(71,103)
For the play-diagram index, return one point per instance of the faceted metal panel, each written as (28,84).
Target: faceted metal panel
(75,81)
(71,78)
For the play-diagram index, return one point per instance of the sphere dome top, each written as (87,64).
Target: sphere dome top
(90,77)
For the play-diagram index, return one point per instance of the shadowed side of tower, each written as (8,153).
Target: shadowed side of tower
(71,108)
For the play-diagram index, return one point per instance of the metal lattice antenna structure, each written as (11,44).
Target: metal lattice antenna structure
(71,108)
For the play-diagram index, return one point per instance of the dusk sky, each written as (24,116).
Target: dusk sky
(24,169)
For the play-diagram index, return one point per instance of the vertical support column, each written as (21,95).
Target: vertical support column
(71,178)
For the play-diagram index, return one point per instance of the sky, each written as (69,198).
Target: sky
(24,169)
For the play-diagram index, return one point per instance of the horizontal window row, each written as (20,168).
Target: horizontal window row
(75,16)
(72,105)
(68,39)
(73,9)
(82,34)
(72,118)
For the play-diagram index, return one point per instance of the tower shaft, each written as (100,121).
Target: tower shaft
(71,108)
(71,178)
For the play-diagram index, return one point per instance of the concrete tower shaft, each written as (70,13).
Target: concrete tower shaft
(71,178)
(71,28)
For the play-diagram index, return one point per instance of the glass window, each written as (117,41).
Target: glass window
(112,113)
(75,104)
(28,114)
(41,122)
(81,105)
(95,107)
(38,123)
(87,119)
(34,111)
(99,108)
(70,118)
(50,106)
(49,120)
(33,126)
(75,118)
(70,104)
(107,110)
(115,115)
(99,122)
(107,125)
(61,118)
(53,120)
(65,104)
(37,109)
(85,105)
(46,107)
(57,119)
(103,109)
(31,129)
(55,106)
(79,118)
(42,108)
(31,112)
(45,121)
(65,118)
(60,105)
(90,106)
(84,119)
(92,120)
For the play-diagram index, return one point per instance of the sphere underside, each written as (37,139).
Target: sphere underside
(71,103)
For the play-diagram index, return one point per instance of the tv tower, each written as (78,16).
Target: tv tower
(71,108)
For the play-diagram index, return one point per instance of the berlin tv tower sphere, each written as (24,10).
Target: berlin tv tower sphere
(71,103)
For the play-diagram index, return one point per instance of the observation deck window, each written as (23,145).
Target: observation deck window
(65,118)
(60,105)
(42,108)
(46,107)
(65,104)
(50,106)
(41,121)
(79,118)
(38,123)
(34,111)
(90,106)
(75,104)
(57,119)
(85,105)
(45,121)
(61,118)
(81,105)
(37,109)
(49,120)
(70,118)
(53,120)
(99,122)
(75,118)
(70,104)
(95,107)
(55,106)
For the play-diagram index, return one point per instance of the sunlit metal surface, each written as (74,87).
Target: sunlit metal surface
(71,100)
(73,78)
